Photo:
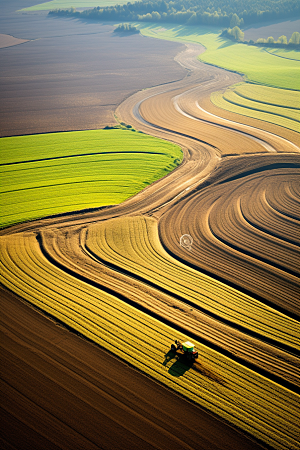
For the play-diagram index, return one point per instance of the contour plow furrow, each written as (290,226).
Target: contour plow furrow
(68,251)
(278,106)
(240,233)
(245,398)
(267,214)
(133,244)
(194,104)
(233,233)
(160,111)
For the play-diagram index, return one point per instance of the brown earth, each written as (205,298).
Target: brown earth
(8,41)
(277,29)
(79,387)
(75,81)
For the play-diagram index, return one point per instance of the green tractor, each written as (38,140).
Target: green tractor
(187,349)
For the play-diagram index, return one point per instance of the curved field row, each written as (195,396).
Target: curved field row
(235,230)
(281,98)
(239,395)
(68,250)
(121,401)
(194,104)
(272,105)
(65,172)
(284,53)
(205,102)
(160,112)
(181,111)
(133,245)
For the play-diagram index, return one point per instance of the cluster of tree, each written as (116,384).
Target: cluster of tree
(281,41)
(194,12)
(126,28)
(236,34)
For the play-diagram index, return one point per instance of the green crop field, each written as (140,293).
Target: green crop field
(54,173)
(65,4)
(257,64)
(240,396)
(278,106)
(285,53)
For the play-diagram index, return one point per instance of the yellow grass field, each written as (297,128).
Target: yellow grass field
(278,106)
(133,244)
(253,403)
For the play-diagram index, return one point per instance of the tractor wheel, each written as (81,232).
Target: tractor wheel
(173,348)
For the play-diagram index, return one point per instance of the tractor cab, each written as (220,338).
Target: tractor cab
(186,348)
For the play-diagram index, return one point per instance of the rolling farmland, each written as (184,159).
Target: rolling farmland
(122,278)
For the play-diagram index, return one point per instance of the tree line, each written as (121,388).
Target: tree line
(194,12)
(236,34)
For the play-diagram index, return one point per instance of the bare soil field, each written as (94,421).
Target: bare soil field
(277,29)
(73,77)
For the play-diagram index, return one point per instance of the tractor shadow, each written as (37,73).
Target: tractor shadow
(181,365)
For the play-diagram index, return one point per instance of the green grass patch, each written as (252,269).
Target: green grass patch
(66,4)
(285,53)
(278,106)
(257,64)
(54,173)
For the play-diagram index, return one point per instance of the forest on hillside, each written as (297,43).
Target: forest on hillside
(223,13)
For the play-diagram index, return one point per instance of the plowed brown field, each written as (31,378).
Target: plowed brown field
(237,195)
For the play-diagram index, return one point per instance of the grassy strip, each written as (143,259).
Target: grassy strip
(277,106)
(66,4)
(244,398)
(269,96)
(132,243)
(285,53)
(54,173)
(256,63)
